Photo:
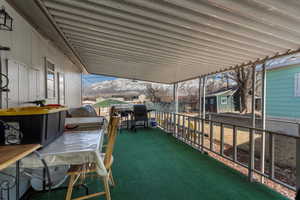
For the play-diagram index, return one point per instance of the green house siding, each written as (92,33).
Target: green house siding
(229,107)
(281,100)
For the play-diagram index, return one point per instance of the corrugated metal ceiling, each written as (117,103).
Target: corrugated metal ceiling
(172,40)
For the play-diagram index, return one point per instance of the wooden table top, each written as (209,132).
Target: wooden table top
(12,153)
(84,123)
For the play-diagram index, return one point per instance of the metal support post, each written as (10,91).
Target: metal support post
(252,131)
(263,114)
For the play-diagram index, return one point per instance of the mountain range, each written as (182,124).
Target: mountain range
(121,87)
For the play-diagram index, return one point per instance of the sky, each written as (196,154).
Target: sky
(89,79)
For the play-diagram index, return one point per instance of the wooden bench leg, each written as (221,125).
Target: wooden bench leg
(70,187)
(111,178)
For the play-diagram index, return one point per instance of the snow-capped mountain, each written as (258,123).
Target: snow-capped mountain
(120,86)
(129,87)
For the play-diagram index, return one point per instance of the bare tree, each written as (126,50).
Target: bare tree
(155,94)
(189,90)
(243,78)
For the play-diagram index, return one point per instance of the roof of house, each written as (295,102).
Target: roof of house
(283,62)
(229,92)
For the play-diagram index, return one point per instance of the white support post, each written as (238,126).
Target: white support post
(200,96)
(252,132)
(200,113)
(203,96)
(263,118)
(175,97)
(298,165)
(175,100)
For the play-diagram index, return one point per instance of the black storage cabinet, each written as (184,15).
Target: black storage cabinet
(39,129)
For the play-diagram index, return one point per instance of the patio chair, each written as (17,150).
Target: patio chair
(124,119)
(140,114)
(85,170)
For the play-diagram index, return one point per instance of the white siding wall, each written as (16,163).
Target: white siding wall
(27,57)
(25,64)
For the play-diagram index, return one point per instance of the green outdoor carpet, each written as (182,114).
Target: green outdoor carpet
(150,165)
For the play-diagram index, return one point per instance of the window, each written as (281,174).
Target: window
(61,88)
(223,100)
(50,79)
(297,84)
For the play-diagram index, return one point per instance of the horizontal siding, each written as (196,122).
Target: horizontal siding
(29,49)
(281,101)
(222,108)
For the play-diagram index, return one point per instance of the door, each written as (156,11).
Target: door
(23,84)
(33,84)
(12,98)
(18,84)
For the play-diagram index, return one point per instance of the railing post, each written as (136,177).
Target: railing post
(202,134)
(234,143)
(167,121)
(183,128)
(271,156)
(174,124)
(178,125)
(189,129)
(195,131)
(164,119)
(211,129)
(159,116)
(222,139)
(251,159)
(199,133)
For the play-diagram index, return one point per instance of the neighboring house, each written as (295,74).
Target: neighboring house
(283,90)
(221,102)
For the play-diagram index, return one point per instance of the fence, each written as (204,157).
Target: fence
(200,133)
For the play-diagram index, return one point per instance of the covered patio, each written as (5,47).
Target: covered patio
(170,42)
(161,167)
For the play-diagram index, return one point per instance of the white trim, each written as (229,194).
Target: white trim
(297,84)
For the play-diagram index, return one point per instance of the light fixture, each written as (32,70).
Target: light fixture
(6,21)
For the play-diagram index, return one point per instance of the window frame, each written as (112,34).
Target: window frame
(49,71)
(224,98)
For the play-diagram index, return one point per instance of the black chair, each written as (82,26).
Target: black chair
(124,118)
(140,114)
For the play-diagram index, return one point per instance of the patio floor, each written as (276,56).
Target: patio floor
(150,165)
